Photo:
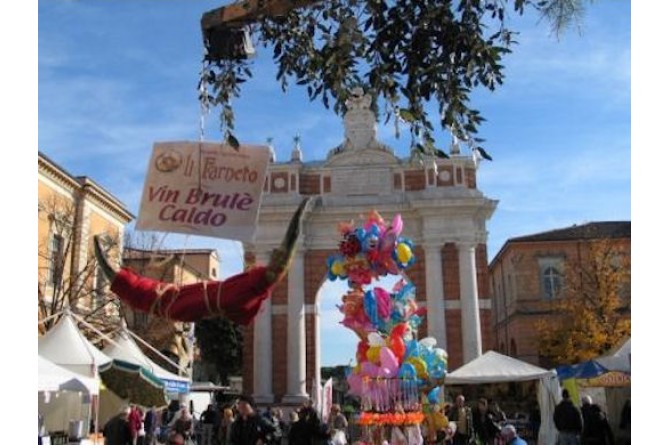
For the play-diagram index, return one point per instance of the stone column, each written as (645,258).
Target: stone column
(471,326)
(263,347)
(317,345)
(296,365)
(435,294)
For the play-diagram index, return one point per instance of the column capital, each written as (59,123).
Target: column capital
(432,246)
(464,245)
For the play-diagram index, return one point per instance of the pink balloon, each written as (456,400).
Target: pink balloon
(386,372)
(355,384)
(369,370)
(388,361)
(397,224)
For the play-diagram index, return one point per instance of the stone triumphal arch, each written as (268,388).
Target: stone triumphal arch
(443,212)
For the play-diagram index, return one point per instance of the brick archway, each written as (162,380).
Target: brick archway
(444,214)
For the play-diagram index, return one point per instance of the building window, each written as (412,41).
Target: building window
(552,282)
(551,277)
(213,272)
(99,289)
(56,260)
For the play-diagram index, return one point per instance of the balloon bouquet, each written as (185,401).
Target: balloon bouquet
(395,374)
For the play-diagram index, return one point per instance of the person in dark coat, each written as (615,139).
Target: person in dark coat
(250,428)
(597,430)
(211,421)
(483,423)
(568,421)
(308,429)
(117,429)
(150,424)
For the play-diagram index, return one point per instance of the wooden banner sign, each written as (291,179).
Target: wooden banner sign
(204,188)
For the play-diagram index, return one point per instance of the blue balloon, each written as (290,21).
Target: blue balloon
(433,395)
(360,234)
(332,259)
(411,349)
(407,371)
(370,306)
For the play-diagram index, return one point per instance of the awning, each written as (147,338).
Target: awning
(134,383)
(124,348)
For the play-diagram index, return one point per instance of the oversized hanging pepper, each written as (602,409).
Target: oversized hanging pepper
(237,298)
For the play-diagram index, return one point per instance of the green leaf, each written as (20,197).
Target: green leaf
(441,154)
(406,115)
(233,142)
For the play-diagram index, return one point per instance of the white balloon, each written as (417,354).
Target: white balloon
(428,342)
(374,339)
(441,353)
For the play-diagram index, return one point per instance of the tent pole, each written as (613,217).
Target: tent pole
(137,337)
(93,328)
(49,317)
(95,422)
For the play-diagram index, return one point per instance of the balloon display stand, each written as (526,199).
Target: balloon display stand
(396,377)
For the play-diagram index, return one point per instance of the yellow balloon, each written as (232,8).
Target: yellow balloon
(357,368)
(420,366)
(404,253)
(440,420)
(373,354)
(337,268)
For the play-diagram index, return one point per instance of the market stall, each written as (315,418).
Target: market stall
(493,367)
(65,346)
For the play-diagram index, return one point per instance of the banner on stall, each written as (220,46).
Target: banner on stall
(204,188)
(611,379)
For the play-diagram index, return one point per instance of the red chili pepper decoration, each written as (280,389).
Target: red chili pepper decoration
(238,298)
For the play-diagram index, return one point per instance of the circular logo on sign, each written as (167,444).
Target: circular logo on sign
(168,161)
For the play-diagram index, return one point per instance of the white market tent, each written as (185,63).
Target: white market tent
(51,377)
(493,367)
(66,346)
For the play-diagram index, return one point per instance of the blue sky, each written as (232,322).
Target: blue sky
(114,77)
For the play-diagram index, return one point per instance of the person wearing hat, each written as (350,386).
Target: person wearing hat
(508,433)
(250,428)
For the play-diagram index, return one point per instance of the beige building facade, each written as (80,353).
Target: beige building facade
(71,210)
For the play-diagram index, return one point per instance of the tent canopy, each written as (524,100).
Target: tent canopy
(124,348)
(493,367)
(66,346)
(617,359)
(584,370)
(51,377)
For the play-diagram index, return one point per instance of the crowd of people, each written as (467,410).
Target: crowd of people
(239,424)
(485,424)
(242,424)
